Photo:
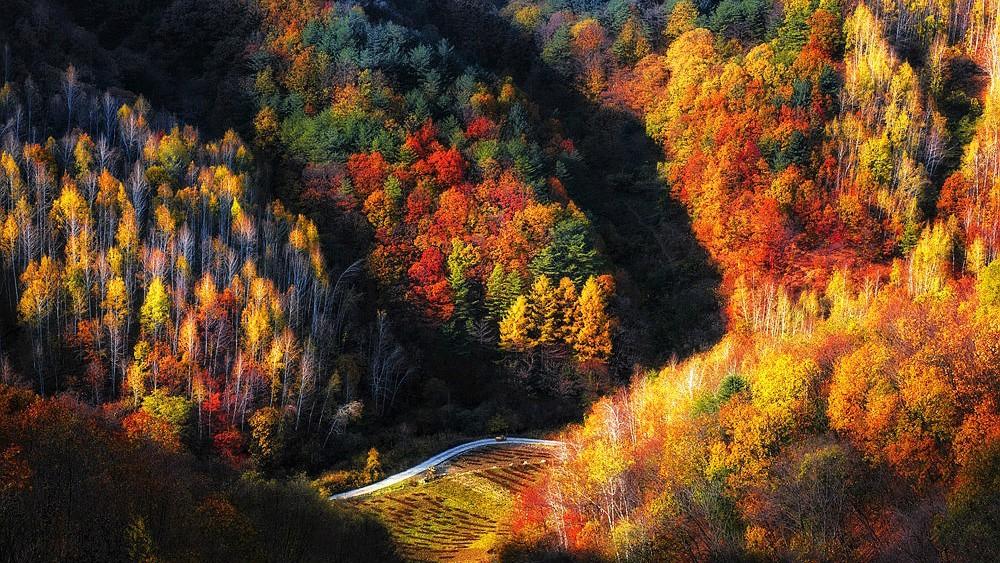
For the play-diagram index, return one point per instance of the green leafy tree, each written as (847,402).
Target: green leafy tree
(570,253)
(502,288)
(740,19)
(558,52)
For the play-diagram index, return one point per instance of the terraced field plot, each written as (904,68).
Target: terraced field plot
(460,512)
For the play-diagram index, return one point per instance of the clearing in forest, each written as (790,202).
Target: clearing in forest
(460,510)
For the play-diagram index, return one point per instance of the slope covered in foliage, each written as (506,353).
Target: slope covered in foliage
(77,486)
(458,180)
(488,214)
(834,162)
(177,326)
(145,269)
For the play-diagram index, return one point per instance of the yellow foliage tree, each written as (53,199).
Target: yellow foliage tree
(682,20)
(40,281)
(593,325)
(155,310)
(930,263)
(543,310)
(516,326)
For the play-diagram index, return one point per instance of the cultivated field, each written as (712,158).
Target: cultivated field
(461,510)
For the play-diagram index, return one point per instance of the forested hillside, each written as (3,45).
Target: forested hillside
(835,161)
(249,243)
(156,293)
(166,326)
(454,173)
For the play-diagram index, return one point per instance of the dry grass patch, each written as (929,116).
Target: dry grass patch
(462,513)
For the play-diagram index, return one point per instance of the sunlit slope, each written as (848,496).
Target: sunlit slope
(461,510)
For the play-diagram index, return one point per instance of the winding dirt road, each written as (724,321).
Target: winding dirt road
(438,459)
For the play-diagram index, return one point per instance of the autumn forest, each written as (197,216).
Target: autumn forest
(642,280)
